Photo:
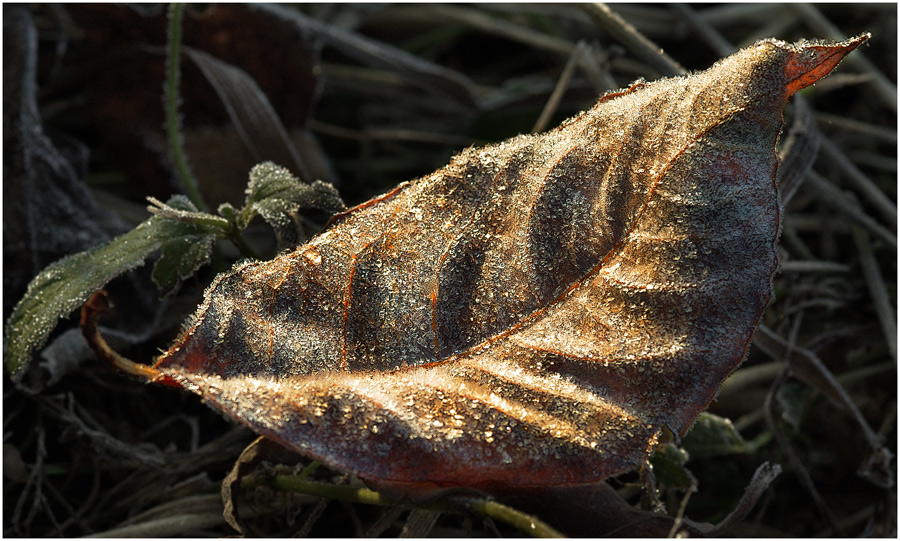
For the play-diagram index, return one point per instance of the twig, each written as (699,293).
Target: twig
(159,208)
(682,508)
(35,482)
(805,365)
(762,478)
(797,464)
(313,517)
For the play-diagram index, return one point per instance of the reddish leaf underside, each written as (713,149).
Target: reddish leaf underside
(535,312)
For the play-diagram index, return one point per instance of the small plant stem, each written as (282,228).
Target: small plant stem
(200,218)
(171,99)
(237,238)
(293,483)
(309,469)
(485,507)
(524,522)
(91,311)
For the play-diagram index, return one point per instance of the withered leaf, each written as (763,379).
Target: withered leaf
(536,312)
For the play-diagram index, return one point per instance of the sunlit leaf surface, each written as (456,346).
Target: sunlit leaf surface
(535,312)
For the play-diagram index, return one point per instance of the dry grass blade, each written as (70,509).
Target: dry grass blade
(872,193)
(142,454)
(493,25)
(566,76)
(642,47)
(705,30)
(843,123)
(252,114)
(877,289)
(799,152)
(388,517)
(180,524)
(808,367)
(420,523)
(834,197)
(799,468)
(738,13)
(417,71)
(813,266)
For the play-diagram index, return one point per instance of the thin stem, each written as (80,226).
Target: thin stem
(524,522)
(199,218)
(490,508)
(171,99)
(293,483)
(95,306)
(236,236)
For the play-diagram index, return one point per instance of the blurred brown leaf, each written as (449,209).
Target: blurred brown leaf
(263,62)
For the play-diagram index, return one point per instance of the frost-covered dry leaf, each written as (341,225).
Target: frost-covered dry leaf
(535,312)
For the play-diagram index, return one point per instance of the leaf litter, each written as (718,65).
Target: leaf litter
(814,247)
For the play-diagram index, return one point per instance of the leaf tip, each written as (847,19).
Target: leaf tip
(809,61)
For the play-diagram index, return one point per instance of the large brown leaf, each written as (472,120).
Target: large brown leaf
(533,314)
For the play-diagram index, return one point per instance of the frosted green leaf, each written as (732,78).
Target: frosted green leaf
(273,191)
(669,466)
(277,213)
(184,252)
(66,284)
(792,398)
(712,435)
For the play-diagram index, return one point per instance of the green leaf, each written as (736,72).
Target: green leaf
(189,247)
(712,435)
(268,180)
(278,214)
(270,183)
(792,397)
(668,466)
(65,285)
